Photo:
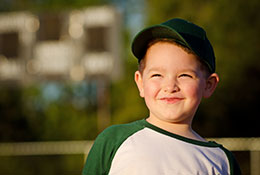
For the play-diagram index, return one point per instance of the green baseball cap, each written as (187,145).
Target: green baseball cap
(184,32)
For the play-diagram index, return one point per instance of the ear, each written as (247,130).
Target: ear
(139,83)
(211,84)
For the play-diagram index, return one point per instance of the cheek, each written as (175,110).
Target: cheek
(151,89)
(193,91)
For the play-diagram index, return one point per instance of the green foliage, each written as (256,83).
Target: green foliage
(48,111)
(13,124)
(42,165)
(126,104)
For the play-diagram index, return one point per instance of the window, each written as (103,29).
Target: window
(50,27)
(97,39)
(9,44)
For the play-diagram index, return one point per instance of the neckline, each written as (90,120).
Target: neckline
(179,137)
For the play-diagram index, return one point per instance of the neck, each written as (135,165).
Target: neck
(182,129)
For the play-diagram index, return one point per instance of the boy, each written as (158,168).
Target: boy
(176,70)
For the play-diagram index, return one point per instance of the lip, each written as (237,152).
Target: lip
(171,100)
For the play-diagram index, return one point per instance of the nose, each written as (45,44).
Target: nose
(171,86)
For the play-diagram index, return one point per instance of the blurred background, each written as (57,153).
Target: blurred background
(66,73)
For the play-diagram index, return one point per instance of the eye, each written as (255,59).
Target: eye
(156,75)
(185,76)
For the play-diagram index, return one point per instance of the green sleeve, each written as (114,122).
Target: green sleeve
(234,166)
(105,146)
(100,156)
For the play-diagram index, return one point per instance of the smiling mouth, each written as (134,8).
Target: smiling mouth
(171,100)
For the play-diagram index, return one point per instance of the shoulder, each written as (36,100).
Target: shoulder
(234,166)
(112,137)
(119,132)
(106,145)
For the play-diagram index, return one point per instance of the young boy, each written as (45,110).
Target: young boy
(176,70)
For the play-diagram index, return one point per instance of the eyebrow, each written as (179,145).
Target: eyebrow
(156,69)
(159,69)
(189,70)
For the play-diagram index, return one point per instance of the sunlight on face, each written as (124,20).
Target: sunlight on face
(172,83)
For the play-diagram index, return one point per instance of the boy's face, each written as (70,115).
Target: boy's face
(172,83)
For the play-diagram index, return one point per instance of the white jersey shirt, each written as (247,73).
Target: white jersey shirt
(140,148)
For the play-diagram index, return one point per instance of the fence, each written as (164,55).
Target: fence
(251,145)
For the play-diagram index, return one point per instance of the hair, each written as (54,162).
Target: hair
(204,67)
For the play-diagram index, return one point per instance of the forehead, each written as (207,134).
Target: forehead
(171,41)
(167,54)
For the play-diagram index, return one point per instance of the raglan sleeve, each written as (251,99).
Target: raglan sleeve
(234,166)
(100,156)
(104,149)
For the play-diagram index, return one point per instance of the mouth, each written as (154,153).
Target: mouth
(171,100)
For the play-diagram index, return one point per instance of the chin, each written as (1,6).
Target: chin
(177,118)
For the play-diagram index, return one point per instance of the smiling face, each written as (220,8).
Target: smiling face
(173,83)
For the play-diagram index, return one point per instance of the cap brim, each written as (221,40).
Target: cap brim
(143,38)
